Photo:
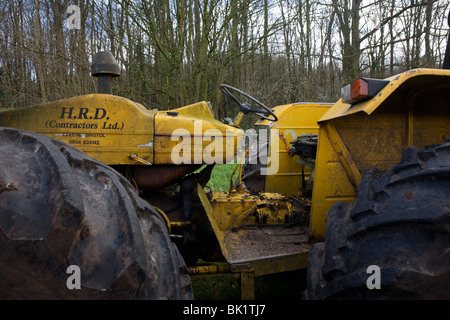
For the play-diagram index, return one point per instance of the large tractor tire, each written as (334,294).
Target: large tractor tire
(66,217)
(398,223)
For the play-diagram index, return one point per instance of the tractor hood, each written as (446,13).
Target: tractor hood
(116,130)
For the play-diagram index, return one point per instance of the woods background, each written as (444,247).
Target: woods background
(176,52)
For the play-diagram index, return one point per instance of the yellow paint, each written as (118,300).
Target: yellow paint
(411,110)
(209,213)
(193,129)
(344,156)
(231,210)
(116,131)
(331,184)
(228,211)
(293,120)
(107,127)
(209,269)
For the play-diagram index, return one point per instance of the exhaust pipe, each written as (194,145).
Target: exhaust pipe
(105,68)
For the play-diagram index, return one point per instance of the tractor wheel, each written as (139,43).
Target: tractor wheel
(393,241)
(66,217)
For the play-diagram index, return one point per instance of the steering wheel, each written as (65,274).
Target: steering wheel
(262,112)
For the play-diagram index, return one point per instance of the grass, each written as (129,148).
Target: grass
(220,177)
(280,286)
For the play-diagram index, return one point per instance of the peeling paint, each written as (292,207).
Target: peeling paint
(292,133)
(148,145)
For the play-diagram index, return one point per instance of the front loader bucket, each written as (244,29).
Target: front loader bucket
(253,250)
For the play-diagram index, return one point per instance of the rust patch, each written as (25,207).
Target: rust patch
(288,148)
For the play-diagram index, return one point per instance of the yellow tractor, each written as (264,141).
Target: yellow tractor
(356,192)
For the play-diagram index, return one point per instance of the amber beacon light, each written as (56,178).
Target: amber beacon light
(362,89)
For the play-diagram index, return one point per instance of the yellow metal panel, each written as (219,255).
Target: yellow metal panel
(232,214)
(293,120)
(115,130)
(428,118)
(347,146)
(331,184)
(193,129)
(375,140)
(232,210)
(107,127)
(416,113)
(344,156)
(209,213)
